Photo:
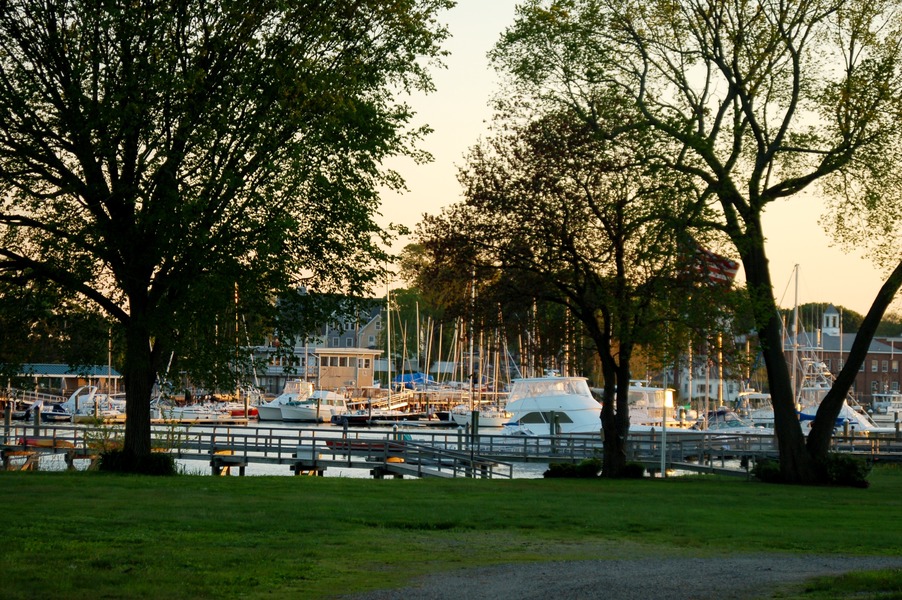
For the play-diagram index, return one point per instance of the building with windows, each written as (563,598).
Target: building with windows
(341,354)
(878,374)
(345,367)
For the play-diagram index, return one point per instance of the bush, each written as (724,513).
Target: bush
(767,470)
(633,470)
(838,469)
(846,470)
(119,461)
(587,468)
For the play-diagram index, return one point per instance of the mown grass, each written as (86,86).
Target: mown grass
(93,536)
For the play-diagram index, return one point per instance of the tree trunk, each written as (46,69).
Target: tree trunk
(614,458)
(795,463)
(139,373)
(822,430)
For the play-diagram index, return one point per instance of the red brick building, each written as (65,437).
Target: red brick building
(880,371)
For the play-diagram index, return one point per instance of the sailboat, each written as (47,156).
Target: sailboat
(812,380)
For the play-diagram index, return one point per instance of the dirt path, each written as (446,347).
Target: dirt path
(730,578)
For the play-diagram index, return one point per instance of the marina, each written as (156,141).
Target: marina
(408,450)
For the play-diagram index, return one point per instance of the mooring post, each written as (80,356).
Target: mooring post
(8,419)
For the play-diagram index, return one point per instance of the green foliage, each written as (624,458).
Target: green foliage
(121,461)
(181,171)
(837,469)
(845,470)
(767,471)
(633,470)
(632,58)
(587,468)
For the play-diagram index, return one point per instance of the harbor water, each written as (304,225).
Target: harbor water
(519,470)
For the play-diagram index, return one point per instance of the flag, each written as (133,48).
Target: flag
(708,266)
(719,269)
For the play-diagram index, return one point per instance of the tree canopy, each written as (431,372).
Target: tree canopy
(571,218)
(759,102)
(164,159)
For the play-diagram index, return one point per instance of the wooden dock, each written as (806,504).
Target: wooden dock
(413,452)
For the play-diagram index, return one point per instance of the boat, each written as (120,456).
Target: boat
(489,416)
(88,404)
(295,390)
(51,412)
(190,413)
(237,409)
(320,406)
(725,420)
(552,405)
(886,407)
(648,405)
(817,380)
(375,416)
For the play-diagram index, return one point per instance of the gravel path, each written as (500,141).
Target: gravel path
(730,578)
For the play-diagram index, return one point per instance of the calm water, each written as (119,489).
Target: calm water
(202,467)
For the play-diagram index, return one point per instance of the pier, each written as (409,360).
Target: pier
(407,450)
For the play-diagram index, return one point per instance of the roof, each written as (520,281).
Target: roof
(353,351)
(58,370)
(837,343)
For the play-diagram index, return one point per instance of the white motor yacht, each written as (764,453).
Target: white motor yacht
(537,403)
(318,407)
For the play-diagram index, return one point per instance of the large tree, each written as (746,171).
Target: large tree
(571,219)
(760,100)
(164,158)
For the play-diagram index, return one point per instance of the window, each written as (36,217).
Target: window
(861,368)
(874,366)
(875,387)
(895,366)
(335,342)
(343,361)
(333,361)
(371,340)
(894,386)
(885,366)
(349,342)
(379,325)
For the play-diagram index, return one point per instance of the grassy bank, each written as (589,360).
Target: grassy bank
(89,535)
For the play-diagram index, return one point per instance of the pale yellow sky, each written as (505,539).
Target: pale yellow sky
(459,112)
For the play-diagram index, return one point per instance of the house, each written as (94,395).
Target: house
(338,355)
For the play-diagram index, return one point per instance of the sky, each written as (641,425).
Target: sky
(459,112)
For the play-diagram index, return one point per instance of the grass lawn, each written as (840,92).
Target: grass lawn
(91,535)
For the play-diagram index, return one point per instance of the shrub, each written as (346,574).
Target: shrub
(767,470)
(587,468)
(837,469)
(846,470)
(633,470)
(118,461)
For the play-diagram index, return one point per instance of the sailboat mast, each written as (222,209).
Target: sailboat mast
(388,339)
(795,335)
(472,332)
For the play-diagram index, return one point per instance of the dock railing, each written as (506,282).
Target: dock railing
(456,451)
